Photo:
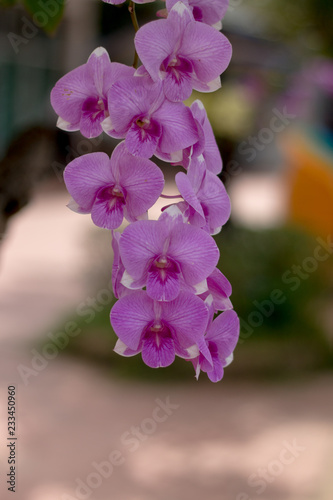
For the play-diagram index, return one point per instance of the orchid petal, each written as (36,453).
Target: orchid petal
(143,142)
(123,350)
(85,175)
(158,353)
(195,251)
(130,317)
(178,127)
(187,315)
(141,242)
(224,332)
(152,54)
(106,215)
(207,49)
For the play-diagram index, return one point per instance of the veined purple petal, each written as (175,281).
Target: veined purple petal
(97,64)
(142,180)
(179,16)
(214,201)
(210,150)
(158,351)
(85,175)
(187,317)
(177,84)
(217,372)
(178,127)
(224,332)
(127,99)
(140,244)
(143,137)
(132,105)
(187,191)
(69,93)
(108,209)
(195,251)
(207,49)
(155,42)
(163,279)
(130,317)
(220,289)
(92,114)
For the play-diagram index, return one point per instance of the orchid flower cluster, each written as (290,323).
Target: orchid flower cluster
(164,271)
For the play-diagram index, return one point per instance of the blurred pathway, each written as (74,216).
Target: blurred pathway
(41,263)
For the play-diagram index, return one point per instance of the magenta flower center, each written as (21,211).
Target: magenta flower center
(163,266)
(158,332)
(177,66)
(113,195)
(95,107)
(143,123)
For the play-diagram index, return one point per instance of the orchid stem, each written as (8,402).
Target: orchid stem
(131,10)
(169,197)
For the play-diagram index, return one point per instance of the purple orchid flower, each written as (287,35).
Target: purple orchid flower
(159,330)
(79,98)
(221,339)
(184,53)
(165,253)
(150,123)
(206,202)
(110,189)
(206,11)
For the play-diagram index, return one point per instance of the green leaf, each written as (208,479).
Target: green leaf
(46,14)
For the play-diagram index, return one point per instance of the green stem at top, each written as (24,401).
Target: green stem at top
(131,10)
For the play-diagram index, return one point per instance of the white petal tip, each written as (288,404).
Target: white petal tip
(63,125)
(228,360)
(193,351)
(100,51)
(180,8)
(201,287)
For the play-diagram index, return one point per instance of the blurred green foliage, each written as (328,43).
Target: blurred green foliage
(307,22)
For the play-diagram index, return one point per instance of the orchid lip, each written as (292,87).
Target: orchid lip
(116,191)
(161,262)
(143,123)
(113,195)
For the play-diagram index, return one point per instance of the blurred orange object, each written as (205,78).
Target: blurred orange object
(309,155)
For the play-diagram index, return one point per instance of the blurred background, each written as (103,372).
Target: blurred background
(266,430)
